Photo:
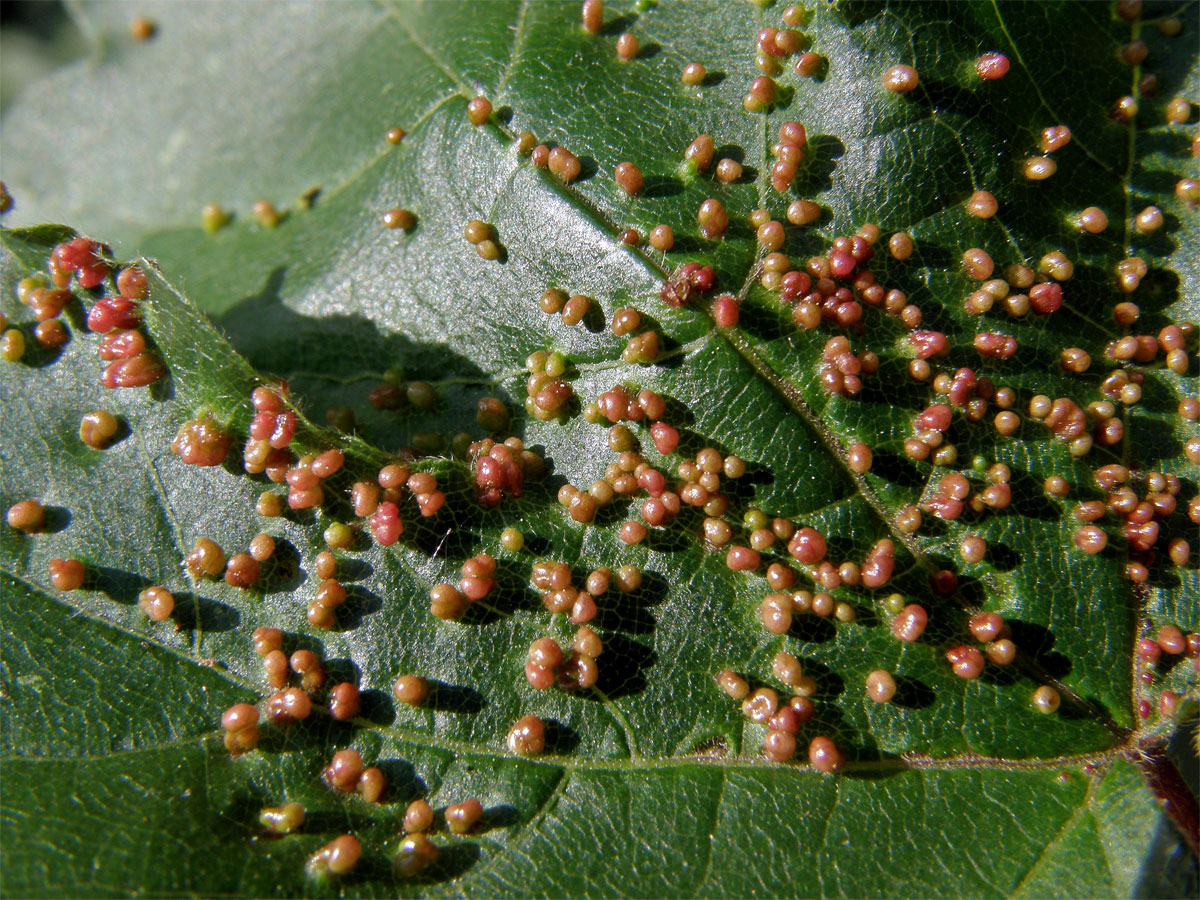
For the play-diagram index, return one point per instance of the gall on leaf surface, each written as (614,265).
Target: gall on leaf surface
(652,782)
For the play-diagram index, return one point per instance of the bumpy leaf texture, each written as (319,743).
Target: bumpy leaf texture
(652,781)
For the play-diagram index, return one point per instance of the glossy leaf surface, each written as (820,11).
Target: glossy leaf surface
(653,783)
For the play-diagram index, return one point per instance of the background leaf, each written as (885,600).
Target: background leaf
(652,784)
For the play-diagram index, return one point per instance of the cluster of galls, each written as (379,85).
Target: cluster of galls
(809,547)
(698,486)
(501,469)
(547,665)
(396,394)
(778,608)
(969,395)
(952,497)
(640,348)
(483,237)
(1142,517)
(379,502)
(346,773)
(818,297)
(775,46)
(842,371)
(581,505)
(572,309)
(561,596)
(698,483)
(559,160)
(833,288)
(547,392)
(1152,653)
(788,152)
(130,364)
(305,477)
(1143,349)
(617,405)
(82,257)
(1100,423)
(449,602)
(288,705)
(124,347)
(47,303)
(1067,421)
(686,282)
(783,719)
(967,661)
(271,431)
(278,666)
(242,570)
(415,852)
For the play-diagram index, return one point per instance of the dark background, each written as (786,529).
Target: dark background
(36,36)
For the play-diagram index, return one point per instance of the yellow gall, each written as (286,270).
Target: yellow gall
(900,79)
(982,205)
(1038,168)
(479,111)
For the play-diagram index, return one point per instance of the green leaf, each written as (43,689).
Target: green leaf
(117,780)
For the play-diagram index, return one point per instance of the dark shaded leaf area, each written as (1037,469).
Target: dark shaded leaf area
(978,393)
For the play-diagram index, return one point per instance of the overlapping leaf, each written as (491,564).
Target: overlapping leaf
(652,785)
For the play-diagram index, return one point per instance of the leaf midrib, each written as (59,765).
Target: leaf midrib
(778,383)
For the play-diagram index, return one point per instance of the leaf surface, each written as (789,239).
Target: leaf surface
(652,784)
